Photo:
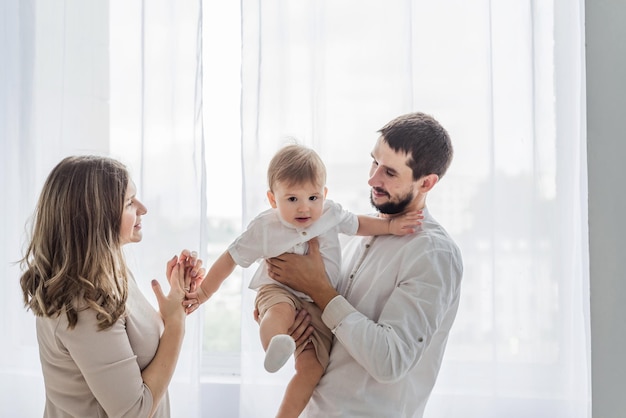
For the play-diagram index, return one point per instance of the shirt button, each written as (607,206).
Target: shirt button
(304,233)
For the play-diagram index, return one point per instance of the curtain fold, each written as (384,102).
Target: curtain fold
(157,129)
(506,80)
(53,102)
(19,360)
(64,91)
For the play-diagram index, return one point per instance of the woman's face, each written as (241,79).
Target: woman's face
(130,229)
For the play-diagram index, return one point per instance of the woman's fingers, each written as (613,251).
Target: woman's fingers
(169,266)
(158,292)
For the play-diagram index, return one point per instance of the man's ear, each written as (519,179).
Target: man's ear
(428,182)
(271,198)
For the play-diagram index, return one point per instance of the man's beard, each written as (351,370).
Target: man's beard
(393,208)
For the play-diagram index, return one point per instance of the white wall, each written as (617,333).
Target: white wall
(606,149)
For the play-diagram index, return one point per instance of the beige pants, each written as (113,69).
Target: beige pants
(271,294)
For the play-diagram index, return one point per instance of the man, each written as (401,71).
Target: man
(398,295)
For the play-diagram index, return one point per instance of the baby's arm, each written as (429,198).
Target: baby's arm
(219,271)
(399,225)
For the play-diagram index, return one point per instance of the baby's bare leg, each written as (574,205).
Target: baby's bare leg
(309,371)
(278,345)
(277,320)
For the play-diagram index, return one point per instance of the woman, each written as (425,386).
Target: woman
(104,350)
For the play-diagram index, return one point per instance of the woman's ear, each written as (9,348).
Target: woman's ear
(428,182)
(271,198)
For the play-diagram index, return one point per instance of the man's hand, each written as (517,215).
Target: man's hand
(304,273)
(301,329)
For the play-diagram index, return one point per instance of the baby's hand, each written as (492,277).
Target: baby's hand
(196,296)
(405,223)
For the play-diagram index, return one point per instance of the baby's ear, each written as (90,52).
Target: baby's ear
(325,191)
(271,198)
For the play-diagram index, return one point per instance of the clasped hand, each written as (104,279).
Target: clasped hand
(184,273)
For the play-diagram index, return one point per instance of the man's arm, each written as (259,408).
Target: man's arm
(414,312)
(305,273)
(417,313)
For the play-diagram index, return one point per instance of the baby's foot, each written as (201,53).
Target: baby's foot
(279,350)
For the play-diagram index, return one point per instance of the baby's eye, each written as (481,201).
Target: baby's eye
(313,198)
(291,199)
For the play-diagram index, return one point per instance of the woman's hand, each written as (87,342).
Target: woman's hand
(194,272)
(193,275)
(170,304)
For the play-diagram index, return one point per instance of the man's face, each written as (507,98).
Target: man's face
(391,180)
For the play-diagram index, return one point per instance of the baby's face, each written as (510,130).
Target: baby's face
(300,204)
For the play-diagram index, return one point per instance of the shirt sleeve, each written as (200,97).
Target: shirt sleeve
(347,222)
(390,347)
(109,366)
(251,244)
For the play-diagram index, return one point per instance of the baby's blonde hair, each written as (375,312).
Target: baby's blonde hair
(296,164)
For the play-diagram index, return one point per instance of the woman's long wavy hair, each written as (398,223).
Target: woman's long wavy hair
(74,260)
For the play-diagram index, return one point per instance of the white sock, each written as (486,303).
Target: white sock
(280,348)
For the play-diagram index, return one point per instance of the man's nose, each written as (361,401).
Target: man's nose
(374,179)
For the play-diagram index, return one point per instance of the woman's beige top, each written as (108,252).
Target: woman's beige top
(91,373)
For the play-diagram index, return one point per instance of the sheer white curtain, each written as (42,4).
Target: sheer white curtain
(52,103)
(156,127)
(66,88)
(506,79)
